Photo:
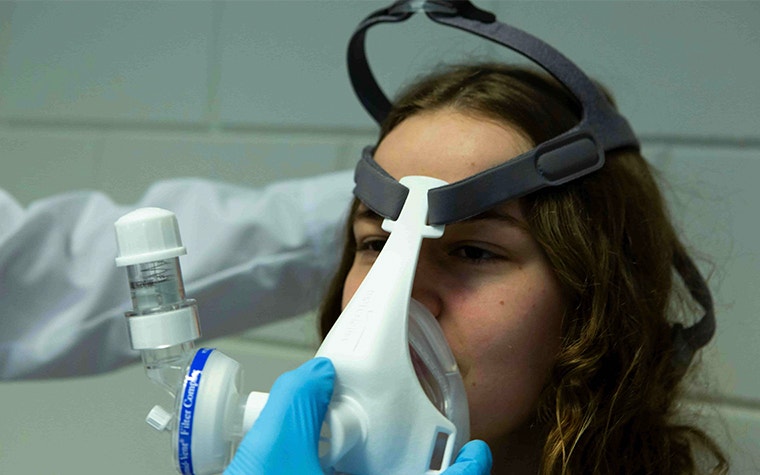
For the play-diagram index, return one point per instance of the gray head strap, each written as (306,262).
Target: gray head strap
(687,340)
(575,153)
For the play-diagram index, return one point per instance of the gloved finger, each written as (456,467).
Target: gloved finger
(285,437)
(299,398)
(473,459)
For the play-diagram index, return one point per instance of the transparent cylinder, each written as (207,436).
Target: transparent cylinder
(156,289)
(156,286)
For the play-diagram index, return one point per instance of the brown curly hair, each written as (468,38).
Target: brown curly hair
(609,404)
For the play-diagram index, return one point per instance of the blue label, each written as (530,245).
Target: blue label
(187,410)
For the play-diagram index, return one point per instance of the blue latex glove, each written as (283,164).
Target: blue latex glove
(284,440)
(474,459)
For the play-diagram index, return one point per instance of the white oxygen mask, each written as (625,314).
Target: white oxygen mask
(394,368)
(399,404)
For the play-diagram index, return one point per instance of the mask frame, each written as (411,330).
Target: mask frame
(571,155)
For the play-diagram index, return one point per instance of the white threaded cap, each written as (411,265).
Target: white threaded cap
(159,418)
(146,235)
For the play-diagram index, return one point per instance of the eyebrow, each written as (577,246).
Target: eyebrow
(496,215)
(364,213)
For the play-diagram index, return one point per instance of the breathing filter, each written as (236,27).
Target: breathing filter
(398,406)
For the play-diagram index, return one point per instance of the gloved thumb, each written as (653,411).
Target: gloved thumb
(285,437)
(300,397)
(474,459)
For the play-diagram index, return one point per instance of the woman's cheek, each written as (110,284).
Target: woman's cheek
(350,286)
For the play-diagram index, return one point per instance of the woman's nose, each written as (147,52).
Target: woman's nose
(427,285)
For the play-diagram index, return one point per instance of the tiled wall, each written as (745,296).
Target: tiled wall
(115,95)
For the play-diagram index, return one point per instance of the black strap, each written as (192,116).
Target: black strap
(689,339)
(379,191)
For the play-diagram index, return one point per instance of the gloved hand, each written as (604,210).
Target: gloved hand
(284,439)
(474,459)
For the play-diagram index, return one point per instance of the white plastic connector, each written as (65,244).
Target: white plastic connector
(159,418)
(345,426)
(164,329)
(253,406)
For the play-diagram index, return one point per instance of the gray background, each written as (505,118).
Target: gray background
(112,95)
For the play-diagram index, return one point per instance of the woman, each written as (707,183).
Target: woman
(556,305)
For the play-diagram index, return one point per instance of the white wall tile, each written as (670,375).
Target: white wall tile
(284,63)
(353,151)
(298,331)
(676,68)
(736,429)
(131,163)
(665,61)
(36,164)
(714,194)
(104,61)
(742,440)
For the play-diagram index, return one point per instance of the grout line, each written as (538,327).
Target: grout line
(346,158)
(105,125)
(701,141)
(737,402)
(301,129)
(95,125)
(213,124)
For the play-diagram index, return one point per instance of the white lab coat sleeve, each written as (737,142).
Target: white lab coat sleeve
(254,256)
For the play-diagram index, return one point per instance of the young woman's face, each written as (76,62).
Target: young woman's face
(486,280)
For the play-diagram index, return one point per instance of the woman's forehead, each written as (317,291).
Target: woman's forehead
(448,145)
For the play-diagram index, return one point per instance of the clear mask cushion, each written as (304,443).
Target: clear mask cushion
(436,368)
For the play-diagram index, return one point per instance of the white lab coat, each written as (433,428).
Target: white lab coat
(254,256)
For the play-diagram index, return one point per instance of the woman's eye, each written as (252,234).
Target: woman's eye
(371,245)
(474,253)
